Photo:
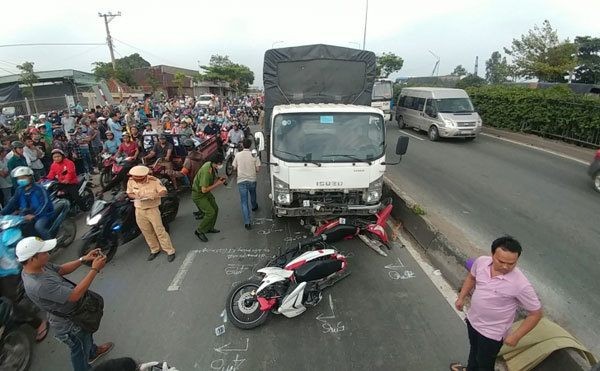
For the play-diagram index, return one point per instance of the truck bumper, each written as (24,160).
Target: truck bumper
(325,210)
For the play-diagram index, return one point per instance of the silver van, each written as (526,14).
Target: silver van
(441,112)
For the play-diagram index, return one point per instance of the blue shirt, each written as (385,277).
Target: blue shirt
(111,146)
(34,201)
(116,128)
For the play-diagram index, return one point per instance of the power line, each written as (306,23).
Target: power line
(145,51)
(47,44)
(11,72)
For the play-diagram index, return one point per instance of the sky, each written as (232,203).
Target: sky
(186,33)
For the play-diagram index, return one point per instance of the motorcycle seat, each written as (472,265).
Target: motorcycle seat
(316,270)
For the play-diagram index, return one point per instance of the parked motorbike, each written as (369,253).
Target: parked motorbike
(112,223)
(112,166)
(16,341)
(232,149)
(289,282)
(84,188)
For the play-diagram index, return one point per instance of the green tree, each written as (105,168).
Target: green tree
(179,80)
(588,58)
(497,69)
(221,68)
(124,69)
(541,54)
(388,63)
(28,78)
(459,71)
(469,81)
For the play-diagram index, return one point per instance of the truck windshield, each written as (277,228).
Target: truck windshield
(454,105)
(382,90)
(328,137)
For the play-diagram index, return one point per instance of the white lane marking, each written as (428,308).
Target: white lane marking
(410,135)
(536,148)
(185,266)
(438,280)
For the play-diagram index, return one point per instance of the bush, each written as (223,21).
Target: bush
(556,111)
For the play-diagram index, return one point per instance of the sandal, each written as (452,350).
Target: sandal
(457,366)
(41,334)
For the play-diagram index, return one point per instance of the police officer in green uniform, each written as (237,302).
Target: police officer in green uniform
(204,182)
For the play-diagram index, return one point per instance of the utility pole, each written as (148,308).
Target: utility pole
(107,18)
(476,65)
(365,31)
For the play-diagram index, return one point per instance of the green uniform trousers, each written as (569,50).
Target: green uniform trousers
(208,205)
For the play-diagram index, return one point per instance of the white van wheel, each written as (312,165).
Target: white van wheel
(434,134)
(596,181)
(401,124)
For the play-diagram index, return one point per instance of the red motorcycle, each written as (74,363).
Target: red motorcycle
(372,234)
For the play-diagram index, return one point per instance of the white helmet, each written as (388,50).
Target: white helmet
(21,171)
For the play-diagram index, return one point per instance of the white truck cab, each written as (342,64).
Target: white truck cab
(325,144)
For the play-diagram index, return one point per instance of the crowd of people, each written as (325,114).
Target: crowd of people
(65,146)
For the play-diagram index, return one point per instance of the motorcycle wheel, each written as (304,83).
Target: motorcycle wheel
(108,248)
(88,198)
(16,348)
(104,178)
(229,166)
(239,313)
(66,232)
(169,210)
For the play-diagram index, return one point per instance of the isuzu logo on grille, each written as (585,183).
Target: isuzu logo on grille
(327,183)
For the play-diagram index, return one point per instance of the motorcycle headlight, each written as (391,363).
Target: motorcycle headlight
(374,191)
(93,220)
(282,192)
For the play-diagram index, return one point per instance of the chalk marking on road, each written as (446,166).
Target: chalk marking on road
(438,280)
(224,316)
(411,135)
(392,266)
(537,148)
(225,348)
(185,266)
(220,330)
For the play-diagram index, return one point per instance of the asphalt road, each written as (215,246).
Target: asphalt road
(371,320)
(488,188)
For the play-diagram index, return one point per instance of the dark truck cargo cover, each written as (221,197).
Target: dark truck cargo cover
(317,74)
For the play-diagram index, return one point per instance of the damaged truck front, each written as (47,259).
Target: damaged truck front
(325,144)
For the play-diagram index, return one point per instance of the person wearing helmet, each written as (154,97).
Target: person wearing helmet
(64,172)
(186,130)
(148,136)
(111,144)
(32,201)
(18,158)
(146,191)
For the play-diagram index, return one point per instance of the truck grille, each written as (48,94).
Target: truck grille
(328,198)
(465,124)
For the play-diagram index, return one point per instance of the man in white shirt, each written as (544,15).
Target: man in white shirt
(114,125)
(247,166)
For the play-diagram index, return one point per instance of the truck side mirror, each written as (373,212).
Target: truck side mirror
(402,145)
(259,139)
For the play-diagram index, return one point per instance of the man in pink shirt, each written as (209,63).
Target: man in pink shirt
(500,288)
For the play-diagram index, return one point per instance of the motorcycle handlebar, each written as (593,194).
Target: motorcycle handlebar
(312,241)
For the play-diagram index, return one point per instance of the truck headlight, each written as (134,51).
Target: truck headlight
(282,192)
(479,122)
(374,191)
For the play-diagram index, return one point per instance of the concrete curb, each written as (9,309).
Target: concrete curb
(450,260)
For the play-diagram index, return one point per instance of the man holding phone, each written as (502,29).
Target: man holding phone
(45,286)
(204,182)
